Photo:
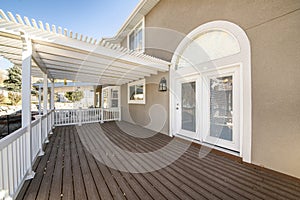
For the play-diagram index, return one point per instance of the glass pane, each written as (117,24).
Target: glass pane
(139,39)
(208,46)
(114,94)
(139,92)
(221,108)
(114,103)
(188,106)
(105,96)
(132,92)
(131,41)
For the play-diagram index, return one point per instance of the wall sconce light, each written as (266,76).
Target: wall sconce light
(162,87)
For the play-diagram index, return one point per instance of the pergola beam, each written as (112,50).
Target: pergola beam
(88,56)
(86,70)
(66,61)
(40,63)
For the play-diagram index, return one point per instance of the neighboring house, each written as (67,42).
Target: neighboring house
(232,82)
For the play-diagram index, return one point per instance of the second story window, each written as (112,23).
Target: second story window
(136,38)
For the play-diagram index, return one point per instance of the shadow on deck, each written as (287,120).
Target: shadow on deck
(136,168)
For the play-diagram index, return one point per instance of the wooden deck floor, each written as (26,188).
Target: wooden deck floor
(69,171)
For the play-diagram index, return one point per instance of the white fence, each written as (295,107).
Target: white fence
(18,152)
(82,116)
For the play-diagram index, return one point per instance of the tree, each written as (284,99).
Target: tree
(14,98)
(74,96)
(14,81)
(2,98)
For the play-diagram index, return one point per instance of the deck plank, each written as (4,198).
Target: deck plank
(45,185)
(67,185)
(56,183)
(91,189)
(69,170)
(79,187)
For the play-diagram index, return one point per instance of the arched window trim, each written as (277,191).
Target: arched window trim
(245,84)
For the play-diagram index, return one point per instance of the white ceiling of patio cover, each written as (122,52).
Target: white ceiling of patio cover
(63,54)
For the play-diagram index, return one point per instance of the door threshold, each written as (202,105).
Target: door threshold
(234,155)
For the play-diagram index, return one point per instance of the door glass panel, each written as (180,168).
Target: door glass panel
(221,108)
(188,106)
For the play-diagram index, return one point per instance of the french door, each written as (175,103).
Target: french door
(186,106)
(207,108)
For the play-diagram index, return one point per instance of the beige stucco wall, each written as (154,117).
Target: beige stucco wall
(273,28)
(154,114)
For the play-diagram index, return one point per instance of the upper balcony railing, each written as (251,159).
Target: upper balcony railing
(19,150)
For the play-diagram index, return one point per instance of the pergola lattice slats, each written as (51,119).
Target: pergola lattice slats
(63,54)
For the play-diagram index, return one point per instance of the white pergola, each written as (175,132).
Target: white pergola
(55,53)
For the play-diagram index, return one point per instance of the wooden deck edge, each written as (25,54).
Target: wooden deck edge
(273,172)
(240,160)
(215,151)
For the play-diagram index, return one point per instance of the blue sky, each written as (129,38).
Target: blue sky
(93,18)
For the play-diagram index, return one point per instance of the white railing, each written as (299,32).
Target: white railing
(18,152)
(90,115)
(111,114)
(82,116)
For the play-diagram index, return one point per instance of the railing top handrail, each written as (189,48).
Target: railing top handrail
(78,109)
(117,108)
(4,142)
(35,122)
(57,110)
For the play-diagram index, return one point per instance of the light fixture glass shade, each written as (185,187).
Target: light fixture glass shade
(162,87)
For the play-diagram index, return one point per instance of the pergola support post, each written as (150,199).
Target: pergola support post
(40,100)
(52,105)
(26,99)
(45,102)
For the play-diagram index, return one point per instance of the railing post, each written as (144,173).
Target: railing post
(41,151)
(80,116)
(102,115)
(28,141)
(45,128)
(49,121)
(53,119)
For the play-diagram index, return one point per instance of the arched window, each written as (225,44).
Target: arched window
(208,46)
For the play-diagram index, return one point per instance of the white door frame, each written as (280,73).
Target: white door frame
(243,58)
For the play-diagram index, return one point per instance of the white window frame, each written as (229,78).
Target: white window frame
(109,96)
(142,23)
(140,82)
